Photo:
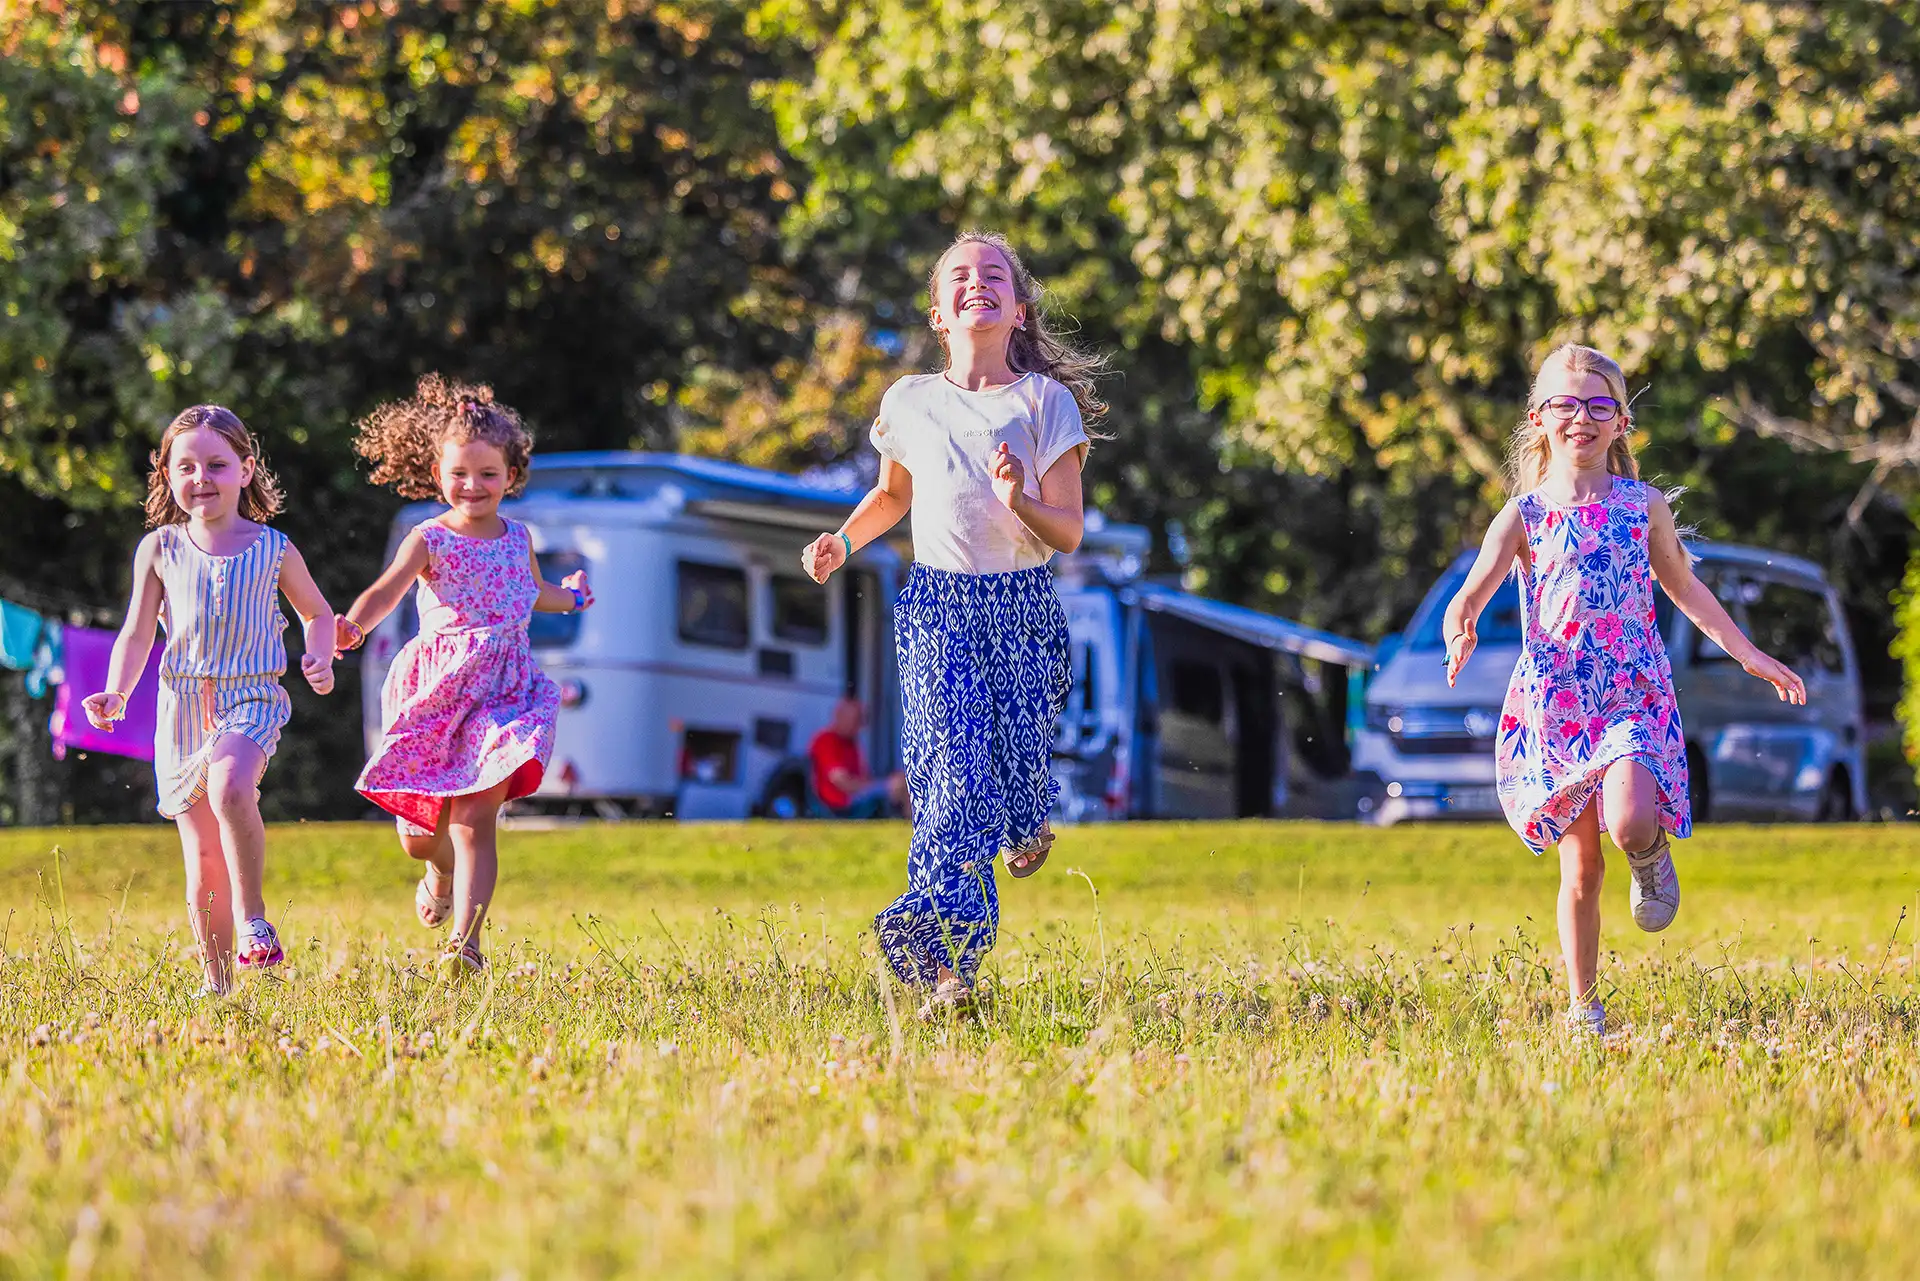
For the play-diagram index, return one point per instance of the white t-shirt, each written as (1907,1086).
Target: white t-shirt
(945,436)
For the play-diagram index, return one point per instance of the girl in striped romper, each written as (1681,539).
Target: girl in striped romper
(987,455)
(212,574)
(467,716)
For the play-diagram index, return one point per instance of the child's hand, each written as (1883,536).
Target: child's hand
(1777,674)
(318,671)
(103,709)
(822,556)
(1460,647)
(347,635)
(577,581)
(1008,476)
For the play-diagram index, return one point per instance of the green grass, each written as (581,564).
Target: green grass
(1259,1050)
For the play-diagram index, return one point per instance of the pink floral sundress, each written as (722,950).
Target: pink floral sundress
(1593,684)
(465,706)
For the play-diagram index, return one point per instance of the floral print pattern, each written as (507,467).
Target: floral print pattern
(1593,684)
(465,706)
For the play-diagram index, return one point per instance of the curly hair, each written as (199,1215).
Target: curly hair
(261,500)
(1034,348)
(403,438)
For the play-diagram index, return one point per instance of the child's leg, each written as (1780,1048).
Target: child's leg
(1582,869)
(1633,817)
(471,821)
(209,897)
(233,780)
(435,848)
(1632,805)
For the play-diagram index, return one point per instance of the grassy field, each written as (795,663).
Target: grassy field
(1212,1051)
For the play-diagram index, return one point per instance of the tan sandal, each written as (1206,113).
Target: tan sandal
(951,996)
(432,909)
(1026,859)
(462,959)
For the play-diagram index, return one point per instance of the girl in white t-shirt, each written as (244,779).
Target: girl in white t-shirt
(987,456)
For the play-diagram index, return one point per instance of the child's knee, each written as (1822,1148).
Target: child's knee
(1636,830)
(230,793)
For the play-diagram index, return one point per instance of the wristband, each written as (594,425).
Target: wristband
(847,543)
(358,633)
(579,599)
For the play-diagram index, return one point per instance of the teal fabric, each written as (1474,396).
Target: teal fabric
(49,661)
(19,635)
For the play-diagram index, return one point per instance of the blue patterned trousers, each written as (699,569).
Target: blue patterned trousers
(983,680)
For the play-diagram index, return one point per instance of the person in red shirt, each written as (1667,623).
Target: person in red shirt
(840,777)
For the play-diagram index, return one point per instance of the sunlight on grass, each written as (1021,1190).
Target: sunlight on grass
(1208,1050)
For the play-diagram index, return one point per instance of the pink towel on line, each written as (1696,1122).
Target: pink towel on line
(88,650)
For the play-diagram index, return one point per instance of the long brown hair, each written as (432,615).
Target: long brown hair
(402,438)
(259,501)
(1035,348)
(1531,450)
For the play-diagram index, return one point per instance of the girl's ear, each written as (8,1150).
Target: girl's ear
(933,319)
(247,469)
(1020,316)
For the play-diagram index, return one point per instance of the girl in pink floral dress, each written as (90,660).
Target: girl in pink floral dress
(467,715)
(1590,739)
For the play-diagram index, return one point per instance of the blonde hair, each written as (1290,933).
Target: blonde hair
(1034,348)
(1531,450)
(402,438)
(259,501)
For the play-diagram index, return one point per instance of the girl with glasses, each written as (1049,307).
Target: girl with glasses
(1590,738)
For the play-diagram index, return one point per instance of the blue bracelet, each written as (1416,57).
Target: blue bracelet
(579,599)
(847,543)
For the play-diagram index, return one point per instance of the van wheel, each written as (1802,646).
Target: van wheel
(1836,801)
(1699,784)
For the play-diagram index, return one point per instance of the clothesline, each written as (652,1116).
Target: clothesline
(60,605)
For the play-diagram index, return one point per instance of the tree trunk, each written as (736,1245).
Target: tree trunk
(36,780)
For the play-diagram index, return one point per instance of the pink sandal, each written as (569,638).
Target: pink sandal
(259,946)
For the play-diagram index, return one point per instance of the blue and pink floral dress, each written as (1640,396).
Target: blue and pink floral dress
(1593,684)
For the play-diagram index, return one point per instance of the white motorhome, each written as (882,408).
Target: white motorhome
(709,661)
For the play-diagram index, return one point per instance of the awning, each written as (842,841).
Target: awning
(1255,628)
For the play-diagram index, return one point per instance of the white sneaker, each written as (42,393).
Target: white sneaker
(1587,1020)
(1654,894)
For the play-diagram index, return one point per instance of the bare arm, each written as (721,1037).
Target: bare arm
(316,619)
(379,600)
(135,641)
(1674,569)
(890,499)
(1460,625)
(1058,517)
(559,599)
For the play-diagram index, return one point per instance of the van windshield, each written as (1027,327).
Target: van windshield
(1500,624)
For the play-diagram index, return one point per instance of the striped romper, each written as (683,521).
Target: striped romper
(226,651)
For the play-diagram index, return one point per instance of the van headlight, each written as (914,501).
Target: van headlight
(1384,718)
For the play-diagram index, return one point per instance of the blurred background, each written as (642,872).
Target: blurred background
(1326,244)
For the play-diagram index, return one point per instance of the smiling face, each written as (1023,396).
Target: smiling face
(1579,441)
(973,290)
(206,474)
(473,477)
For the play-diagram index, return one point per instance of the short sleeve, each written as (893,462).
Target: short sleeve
(886,428)
(1060,429)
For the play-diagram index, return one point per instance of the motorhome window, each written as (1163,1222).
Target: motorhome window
(713,605)
(1795,626)
(1500,623)
(799,610)
(1197,691)
(556,631)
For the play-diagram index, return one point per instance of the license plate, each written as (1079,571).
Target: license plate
(1472,800)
